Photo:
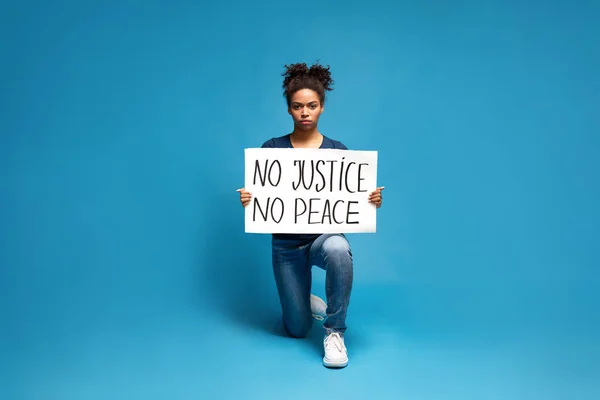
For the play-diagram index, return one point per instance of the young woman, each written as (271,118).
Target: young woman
(295,254)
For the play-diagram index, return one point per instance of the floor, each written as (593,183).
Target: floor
(207,353)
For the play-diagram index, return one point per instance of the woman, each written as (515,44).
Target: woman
(295,254)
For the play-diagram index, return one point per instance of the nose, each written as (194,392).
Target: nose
(305,112)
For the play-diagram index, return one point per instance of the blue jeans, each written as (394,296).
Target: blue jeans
(292,266)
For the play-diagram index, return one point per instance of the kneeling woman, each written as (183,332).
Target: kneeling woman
(295,254)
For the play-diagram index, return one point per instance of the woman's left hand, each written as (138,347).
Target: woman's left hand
(375,197)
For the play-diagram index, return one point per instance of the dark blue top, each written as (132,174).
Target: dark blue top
(286,142)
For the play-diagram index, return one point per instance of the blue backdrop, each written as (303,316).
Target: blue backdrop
(125,271)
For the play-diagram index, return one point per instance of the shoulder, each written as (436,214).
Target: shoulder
(333,144)
(268,143)
(277,142)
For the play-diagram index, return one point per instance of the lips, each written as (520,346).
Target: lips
(305,122)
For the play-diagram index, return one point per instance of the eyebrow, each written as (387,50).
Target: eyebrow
(310,102)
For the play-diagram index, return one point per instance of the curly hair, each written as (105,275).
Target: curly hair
(300,76)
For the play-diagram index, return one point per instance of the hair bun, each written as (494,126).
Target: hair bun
(322,74)
(295,70)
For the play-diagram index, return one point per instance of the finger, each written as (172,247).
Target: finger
(378,190)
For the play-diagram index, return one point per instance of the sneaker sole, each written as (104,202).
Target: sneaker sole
(335,364)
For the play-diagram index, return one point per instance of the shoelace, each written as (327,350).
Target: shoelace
(334,340)
(317,317)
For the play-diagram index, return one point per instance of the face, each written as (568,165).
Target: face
(305,108)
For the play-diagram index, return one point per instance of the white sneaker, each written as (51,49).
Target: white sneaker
(318,307)
(336,355)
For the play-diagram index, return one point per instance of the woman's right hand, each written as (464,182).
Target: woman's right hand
(245,197)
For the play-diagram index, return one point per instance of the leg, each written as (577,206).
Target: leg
(293,278)
(332,253)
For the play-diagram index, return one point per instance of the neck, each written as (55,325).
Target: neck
(305,135)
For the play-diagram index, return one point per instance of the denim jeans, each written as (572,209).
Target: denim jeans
(292,266)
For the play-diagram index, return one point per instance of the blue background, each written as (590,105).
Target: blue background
(125,269)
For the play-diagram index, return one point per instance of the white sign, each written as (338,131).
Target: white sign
(310,190)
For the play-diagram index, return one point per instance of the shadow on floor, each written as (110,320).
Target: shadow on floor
(234,280)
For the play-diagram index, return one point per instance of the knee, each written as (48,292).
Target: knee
(337,248)
(298,330)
